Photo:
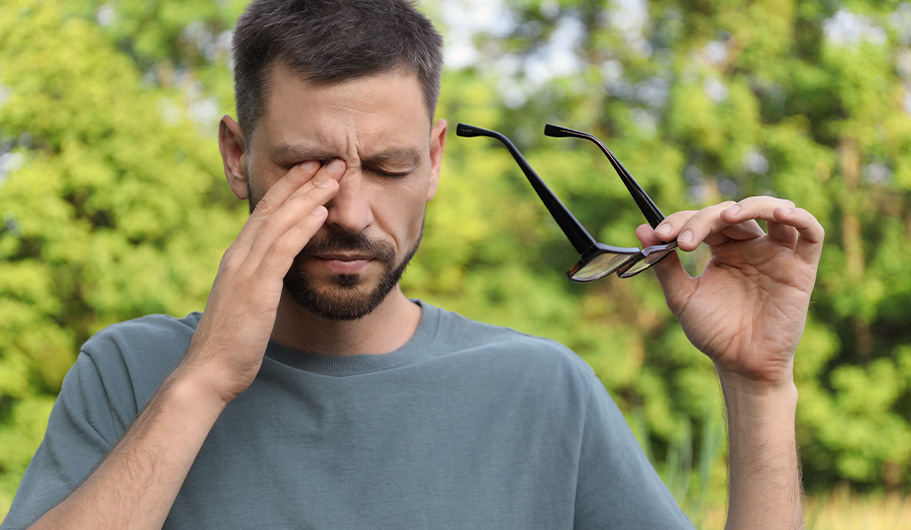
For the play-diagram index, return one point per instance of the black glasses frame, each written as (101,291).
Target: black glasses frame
(597,260)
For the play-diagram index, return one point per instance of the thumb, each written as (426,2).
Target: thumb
(675,281)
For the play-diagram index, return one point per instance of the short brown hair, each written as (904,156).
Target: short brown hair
(329,41)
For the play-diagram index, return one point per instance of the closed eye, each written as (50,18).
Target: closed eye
(391,174)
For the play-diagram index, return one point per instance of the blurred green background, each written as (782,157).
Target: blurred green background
(113,204)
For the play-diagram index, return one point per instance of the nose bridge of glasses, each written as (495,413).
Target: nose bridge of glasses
(645,203)
(575,232)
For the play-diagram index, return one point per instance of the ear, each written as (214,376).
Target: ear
(233,149)
(437,142)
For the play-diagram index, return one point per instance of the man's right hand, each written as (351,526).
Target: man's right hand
(228,347)
(135,485)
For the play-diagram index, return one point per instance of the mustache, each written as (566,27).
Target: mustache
(335,241)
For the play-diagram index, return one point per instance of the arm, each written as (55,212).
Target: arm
(747,311)
(764,483)
(135,485)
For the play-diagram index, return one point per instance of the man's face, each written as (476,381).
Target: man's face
(378,126)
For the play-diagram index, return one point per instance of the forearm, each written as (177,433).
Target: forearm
(765,483)
(136,483)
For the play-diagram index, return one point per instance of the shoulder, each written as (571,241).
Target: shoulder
(151,333)
(509,348)
(139,353)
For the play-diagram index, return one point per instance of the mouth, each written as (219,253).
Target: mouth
(339,256)
(341,263)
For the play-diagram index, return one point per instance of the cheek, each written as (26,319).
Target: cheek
(259,182)
(403,215)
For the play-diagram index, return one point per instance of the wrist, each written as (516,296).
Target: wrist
(749,385)
(189,386)
(759,401)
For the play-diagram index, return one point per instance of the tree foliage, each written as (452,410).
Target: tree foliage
(109,201)
(706,101)
(112,204)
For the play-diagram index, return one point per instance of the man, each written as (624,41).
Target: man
(312,393)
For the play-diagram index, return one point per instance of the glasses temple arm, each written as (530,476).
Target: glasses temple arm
(648,207)
(577,234)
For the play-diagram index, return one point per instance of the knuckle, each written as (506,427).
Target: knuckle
(280,247)
(229,259)
(269,223)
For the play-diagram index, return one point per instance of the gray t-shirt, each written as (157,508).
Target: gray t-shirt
(466,426)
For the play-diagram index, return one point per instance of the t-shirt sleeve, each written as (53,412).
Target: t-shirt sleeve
(80,431)
(617,485)
(116,373)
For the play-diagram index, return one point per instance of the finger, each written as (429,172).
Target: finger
(754,208)
(705,226)
(334,169)
(275,197)
(322,181)
(315,193)
(784,234)
(669,228)
(811,233)
(280,255)
(738,232)
(764,208)
(284,187)
(676,283)
(807,242)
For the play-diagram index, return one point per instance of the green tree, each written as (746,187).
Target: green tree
(110,202)
(705,101)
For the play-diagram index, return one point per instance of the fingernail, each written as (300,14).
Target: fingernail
(663,230)
(685,237)
(319,211)
(309,165)
(335,166)
(733,210)
(787,211)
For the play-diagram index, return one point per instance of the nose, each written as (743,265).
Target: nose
(350,209)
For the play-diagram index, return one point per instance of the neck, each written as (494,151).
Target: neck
(385,329)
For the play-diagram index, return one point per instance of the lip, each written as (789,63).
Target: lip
(342,257)
(345,263)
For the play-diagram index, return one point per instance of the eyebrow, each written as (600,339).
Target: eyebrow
(300,153)
(398,155)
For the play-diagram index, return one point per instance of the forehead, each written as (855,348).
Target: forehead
(383,112)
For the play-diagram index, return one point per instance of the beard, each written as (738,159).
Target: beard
(347,297)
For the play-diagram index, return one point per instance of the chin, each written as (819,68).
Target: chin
(342,296)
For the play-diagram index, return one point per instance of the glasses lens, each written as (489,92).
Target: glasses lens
(600,266)
(648,257)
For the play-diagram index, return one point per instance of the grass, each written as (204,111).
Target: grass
(695,474)
(839,510)
(843,510)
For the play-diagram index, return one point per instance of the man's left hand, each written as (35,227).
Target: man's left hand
(748,308)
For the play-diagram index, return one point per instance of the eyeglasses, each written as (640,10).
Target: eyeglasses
(597,260)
